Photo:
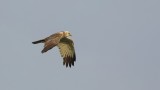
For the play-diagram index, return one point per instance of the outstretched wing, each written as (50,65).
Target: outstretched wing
(51,41)
(66,47)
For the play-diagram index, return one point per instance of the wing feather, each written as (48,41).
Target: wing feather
(51,41)
(67,51)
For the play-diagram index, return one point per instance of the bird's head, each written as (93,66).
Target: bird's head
(67,33)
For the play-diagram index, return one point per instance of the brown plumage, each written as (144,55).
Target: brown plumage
(65,45)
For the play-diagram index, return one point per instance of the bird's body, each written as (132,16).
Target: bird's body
(65,45)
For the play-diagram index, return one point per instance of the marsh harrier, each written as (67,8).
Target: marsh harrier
(65,45)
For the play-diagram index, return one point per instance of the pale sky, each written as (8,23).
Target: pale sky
(116,41)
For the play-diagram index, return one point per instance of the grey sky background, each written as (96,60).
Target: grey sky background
(116,41)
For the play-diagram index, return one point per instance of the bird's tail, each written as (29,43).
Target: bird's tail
(39,41)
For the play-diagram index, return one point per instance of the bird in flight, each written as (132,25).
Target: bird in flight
(64,43)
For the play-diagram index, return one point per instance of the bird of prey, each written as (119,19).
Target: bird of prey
(64,43)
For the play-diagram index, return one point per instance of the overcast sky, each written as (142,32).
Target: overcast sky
(117,44)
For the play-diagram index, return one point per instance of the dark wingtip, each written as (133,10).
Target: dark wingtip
(43,51)
(33,43)
(69,61)
(39,41)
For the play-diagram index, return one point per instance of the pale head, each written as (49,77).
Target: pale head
(67,33)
